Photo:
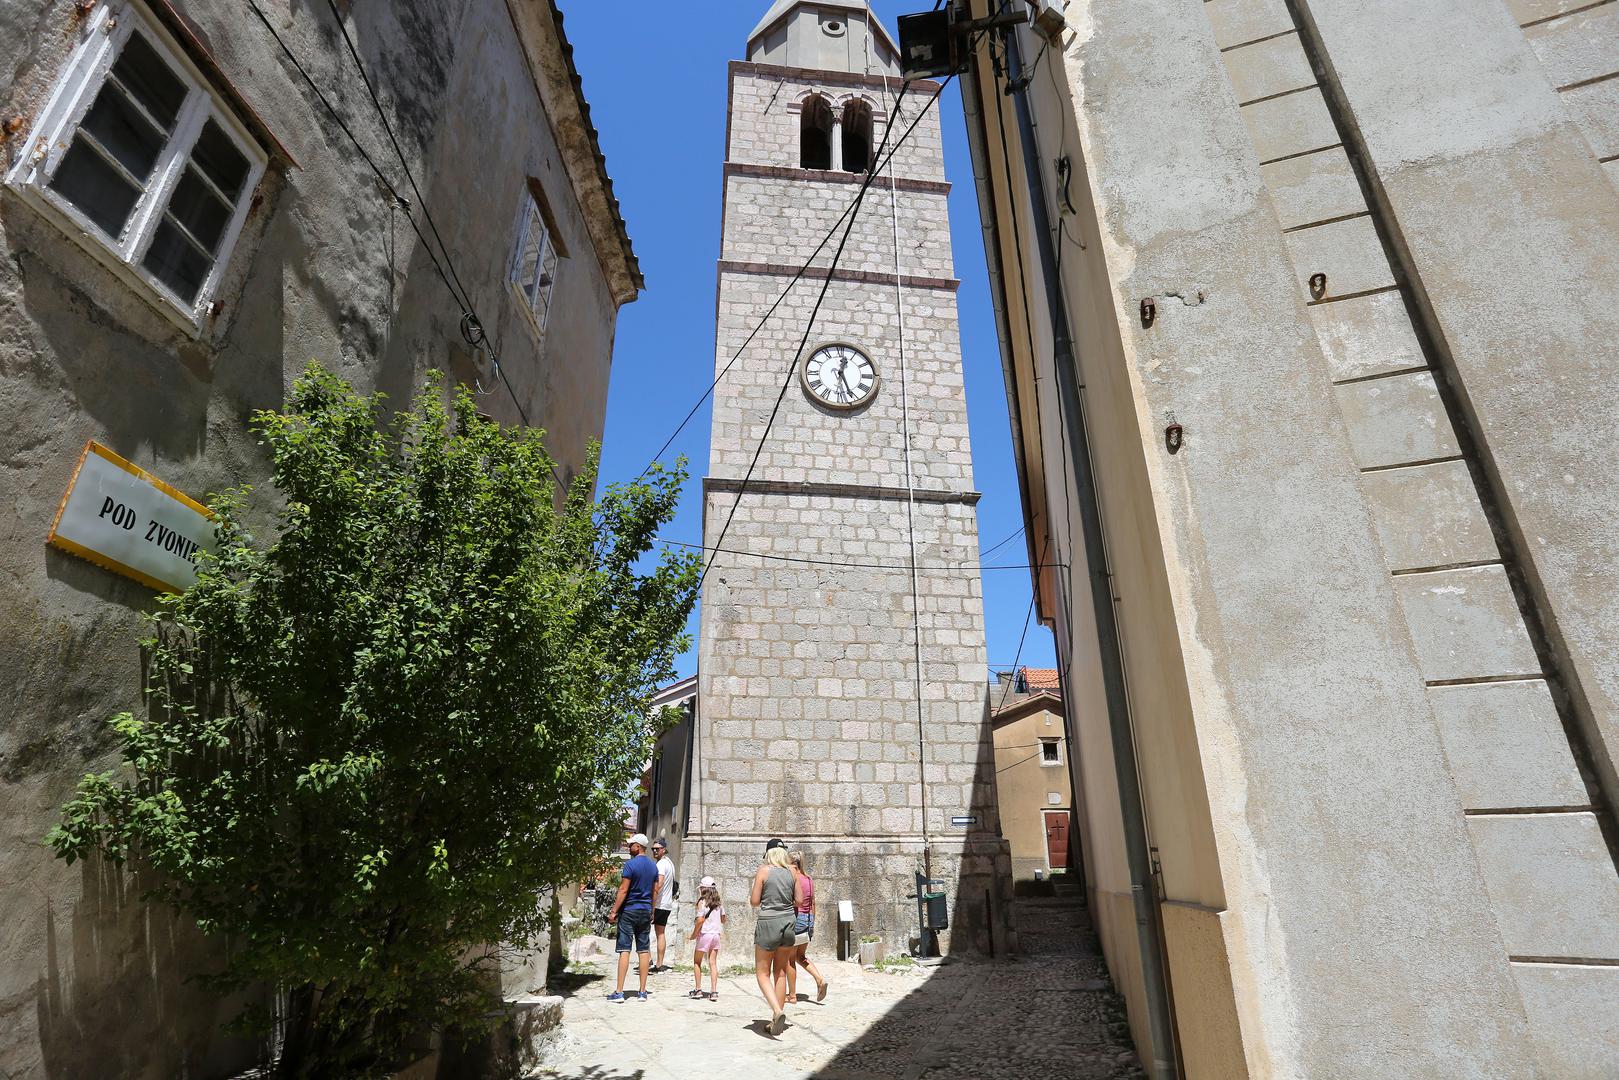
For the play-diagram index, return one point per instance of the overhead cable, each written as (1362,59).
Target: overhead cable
(809,326)
(881,160)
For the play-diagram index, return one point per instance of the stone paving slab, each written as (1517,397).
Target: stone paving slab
(1050,1013)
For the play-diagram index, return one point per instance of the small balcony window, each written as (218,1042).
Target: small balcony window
(143,160)
(535,259)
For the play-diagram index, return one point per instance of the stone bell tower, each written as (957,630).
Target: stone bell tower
(814,721)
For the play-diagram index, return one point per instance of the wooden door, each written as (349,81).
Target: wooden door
(1057,839)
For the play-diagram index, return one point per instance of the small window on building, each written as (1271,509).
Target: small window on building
(534,261)
(815,130)
(857,137)
(1049,752)
(143,157)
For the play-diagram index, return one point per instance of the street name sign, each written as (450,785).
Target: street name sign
(122,518)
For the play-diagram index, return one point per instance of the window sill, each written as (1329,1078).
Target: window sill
(535,330)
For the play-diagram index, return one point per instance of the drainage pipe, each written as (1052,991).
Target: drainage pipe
(1143,883)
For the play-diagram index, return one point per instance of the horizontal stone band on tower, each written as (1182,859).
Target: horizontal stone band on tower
(819,273)
(811,487)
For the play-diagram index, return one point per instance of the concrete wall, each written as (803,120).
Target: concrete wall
(91,981)
(1356,612)
(1027,786)
(809,725)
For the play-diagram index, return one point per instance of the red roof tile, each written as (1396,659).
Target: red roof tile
(1039,678)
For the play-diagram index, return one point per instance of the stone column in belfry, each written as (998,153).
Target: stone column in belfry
(843,702)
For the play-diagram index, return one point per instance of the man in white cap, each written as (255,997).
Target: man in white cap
(632,911)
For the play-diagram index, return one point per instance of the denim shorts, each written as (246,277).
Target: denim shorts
(636,927)
(804,925)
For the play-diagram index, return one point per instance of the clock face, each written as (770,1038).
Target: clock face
(840,376)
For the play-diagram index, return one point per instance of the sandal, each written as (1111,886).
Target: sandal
(713,995)
(820,991)
(695,995)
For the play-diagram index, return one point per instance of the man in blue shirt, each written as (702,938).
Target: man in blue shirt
(632,911)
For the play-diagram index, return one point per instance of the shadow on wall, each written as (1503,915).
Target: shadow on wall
(121,968)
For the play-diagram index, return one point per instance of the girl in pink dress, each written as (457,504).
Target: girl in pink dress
(707,932)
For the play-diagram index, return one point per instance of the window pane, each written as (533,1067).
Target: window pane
(176,262)
(151,80)
(195,206)
(548,279)
(526,271)
(86,180)
(217,156)
(123,132)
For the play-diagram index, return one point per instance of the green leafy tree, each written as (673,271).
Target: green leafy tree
(373,736)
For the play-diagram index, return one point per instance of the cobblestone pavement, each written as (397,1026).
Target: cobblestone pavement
(1049,1013)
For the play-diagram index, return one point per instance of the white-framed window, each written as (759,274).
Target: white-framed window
(1050,752)
(535,259)
(148,167)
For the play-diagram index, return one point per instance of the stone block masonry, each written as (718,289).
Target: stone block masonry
(812,722)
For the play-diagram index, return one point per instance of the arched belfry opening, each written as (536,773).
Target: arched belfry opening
(815,132)
(857,137)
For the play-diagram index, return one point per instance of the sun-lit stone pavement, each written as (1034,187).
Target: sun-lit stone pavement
(1048,1013)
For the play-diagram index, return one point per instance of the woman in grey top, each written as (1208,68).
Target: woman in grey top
(776,894)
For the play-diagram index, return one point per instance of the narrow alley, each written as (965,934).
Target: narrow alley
(1049,1012)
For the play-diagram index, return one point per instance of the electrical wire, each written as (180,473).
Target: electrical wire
(845,564)
(809,326)
(1028,617)
(342,28)
(471,326)
(992,550)
(881,161)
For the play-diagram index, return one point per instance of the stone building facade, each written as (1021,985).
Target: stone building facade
(111,330)
(809,722)
(1309,315)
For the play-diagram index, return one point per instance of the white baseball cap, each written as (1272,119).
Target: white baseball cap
(639,838)
(706,883)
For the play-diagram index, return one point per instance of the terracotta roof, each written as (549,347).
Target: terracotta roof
(1042,678)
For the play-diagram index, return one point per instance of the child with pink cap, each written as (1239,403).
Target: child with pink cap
(707,933)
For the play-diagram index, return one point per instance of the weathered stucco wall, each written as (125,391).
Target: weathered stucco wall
(1313,599)
(1025,782)
(91,980)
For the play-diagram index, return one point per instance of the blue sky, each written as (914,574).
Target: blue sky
(657,94)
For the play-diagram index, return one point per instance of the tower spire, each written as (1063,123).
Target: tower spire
(826,35)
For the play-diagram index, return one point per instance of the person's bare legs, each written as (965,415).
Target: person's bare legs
(808,965)
(713,973)
(646,962)
(623,969)
(763,960)
(782,959)
(697,969)
(792,982)
(661,942)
